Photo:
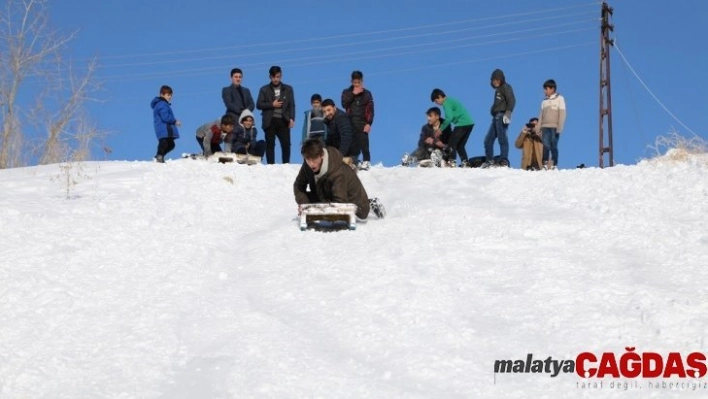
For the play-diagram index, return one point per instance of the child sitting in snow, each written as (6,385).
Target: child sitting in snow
(244,137)
(432,143)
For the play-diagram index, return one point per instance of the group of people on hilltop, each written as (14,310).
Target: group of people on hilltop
(332,138)
(346,129)
(443,139)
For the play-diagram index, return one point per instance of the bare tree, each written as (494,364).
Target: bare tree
(31,53)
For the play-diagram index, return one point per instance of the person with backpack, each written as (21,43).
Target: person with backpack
(314,124)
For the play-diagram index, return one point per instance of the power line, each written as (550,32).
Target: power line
(412,69)
(633,102)
(350,44)
(649,90)
(357,55)
(351,35)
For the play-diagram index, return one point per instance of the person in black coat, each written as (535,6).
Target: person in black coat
(340,132)
(236,97)
(276,101)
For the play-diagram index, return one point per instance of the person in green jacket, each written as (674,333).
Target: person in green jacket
(457,116)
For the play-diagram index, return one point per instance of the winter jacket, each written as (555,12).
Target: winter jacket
(339,183)
(237,99)
(531,147)
(552,113)
(340,134)
(427,131)
(314,124)
(455,114)
(360,107)
(504,99)
(266,96)
(163,119)
(243,136)
(211,134)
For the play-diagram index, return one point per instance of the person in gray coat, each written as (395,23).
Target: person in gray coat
(236,97)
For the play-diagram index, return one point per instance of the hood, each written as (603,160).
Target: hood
(335,159)
(155,101)
(246,112)
(498,74)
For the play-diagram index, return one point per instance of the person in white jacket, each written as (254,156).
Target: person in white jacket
(550,123)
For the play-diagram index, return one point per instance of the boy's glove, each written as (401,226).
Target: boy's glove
(506,120)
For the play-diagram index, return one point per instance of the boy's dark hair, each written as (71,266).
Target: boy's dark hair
(247,117)
(550,83)
(357,75)
(236,70)
(312,148)
(327,102)
(274,70)
(436,93)
(227,120)
(534,119)
(316,97)
(165,90)
(433,110)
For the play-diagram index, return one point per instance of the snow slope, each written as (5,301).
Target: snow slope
(191,280)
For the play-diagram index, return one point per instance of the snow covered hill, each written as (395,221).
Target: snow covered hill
(192,280)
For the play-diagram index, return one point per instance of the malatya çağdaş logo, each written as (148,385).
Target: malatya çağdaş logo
(629,364)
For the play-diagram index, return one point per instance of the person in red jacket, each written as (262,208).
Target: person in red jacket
(211,135)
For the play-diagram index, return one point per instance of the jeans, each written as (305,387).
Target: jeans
(497,130)
(550,144)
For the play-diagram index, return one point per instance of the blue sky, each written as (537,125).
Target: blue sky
(405,49)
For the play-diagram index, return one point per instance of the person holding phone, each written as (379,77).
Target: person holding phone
(276,101)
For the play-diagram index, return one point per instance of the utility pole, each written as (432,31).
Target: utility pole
(605,89)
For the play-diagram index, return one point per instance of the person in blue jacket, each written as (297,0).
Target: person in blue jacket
(165,123)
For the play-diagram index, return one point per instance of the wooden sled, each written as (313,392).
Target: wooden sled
(229,157)
(247,159)
(193,156)
(333,213)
